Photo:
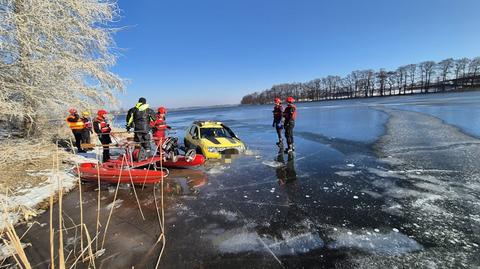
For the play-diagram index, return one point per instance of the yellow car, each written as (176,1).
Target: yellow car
(212,139)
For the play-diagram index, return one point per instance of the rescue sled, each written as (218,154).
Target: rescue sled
(110,172)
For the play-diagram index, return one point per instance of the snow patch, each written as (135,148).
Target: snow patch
(393,243)
(116,204)
(289,244)
(216,170)
(348,173)
(28,200)
(229,215)
(273,164)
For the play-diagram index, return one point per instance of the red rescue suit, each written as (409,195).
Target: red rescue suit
(159,126)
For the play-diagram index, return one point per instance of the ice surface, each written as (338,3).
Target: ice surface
(382,186)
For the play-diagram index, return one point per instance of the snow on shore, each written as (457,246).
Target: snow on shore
(24,203)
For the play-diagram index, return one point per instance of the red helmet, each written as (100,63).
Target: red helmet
(290,99)
(277,100)
(72,111)
(102,112)
(162,110)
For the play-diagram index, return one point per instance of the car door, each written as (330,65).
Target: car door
(193,138)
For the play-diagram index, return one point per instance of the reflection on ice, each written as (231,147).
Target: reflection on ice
(393,243)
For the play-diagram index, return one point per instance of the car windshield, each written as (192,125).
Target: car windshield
(214,132)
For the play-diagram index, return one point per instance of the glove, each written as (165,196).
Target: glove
(169,128)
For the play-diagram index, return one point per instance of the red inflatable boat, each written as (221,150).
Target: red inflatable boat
(181,162)
(111,173)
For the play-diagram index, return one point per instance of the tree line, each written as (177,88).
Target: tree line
(425,77)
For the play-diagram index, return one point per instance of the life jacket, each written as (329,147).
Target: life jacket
(159,126)
(140,116)
(277,113)
(74,125)
(87,123)
(103,126)
(290,113)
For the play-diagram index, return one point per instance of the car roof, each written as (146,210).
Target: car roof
(207,123)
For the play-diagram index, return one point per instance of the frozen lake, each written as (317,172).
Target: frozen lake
(374,183)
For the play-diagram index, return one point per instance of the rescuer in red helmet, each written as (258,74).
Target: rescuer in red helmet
(102,129)
(76,124)
(278,120)
(289,115)
(159,125)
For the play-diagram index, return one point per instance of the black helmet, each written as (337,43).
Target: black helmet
(142,100)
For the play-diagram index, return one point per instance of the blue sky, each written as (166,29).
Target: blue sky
(181,53)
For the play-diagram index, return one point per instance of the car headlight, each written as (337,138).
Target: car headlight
(240,148)
(212,149)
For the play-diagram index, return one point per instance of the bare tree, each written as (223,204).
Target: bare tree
(381,80)
(370,81)
(391,81)
(474,69)
(412,71)
(55,54)
(445,67)
(427,70)
(460,70)
(401,76)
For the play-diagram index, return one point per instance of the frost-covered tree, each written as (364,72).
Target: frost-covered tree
(55,54)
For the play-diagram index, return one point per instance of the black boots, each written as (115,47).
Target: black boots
(280,143)
(290,149)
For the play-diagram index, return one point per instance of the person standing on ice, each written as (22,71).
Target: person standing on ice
(278,120)
(159,125)
(102,129)
(289,115)
(139,117)
(76,125)
(87,127)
